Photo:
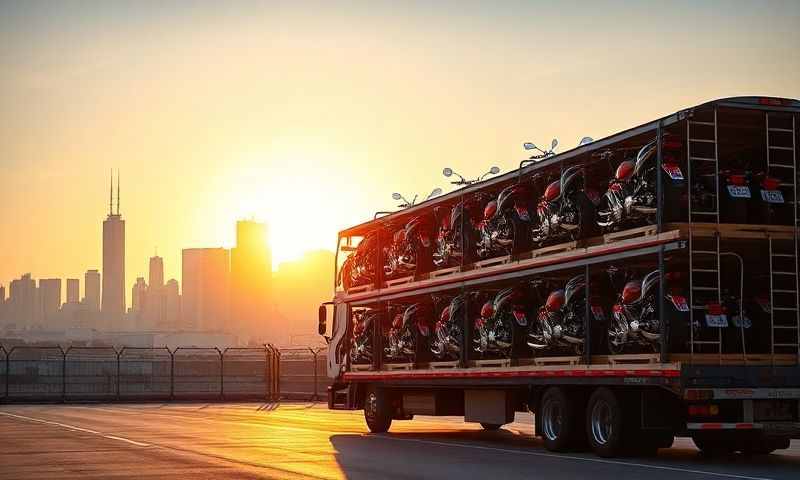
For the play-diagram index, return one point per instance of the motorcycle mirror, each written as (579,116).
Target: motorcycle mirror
(396,196)
(447,172)
(494,170)
(554,144)
(434,193)
(585,140)
(529,146)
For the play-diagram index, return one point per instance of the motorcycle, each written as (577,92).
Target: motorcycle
(359,268)
(769,204)
(635,320)
(632,193)
(449,330)
(452,247)
(407,327)
(564,210)
(496,327)
(504,225)
(560,321)
(409,253)
(361,347)
(735,194)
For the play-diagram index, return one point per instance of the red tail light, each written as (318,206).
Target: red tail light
(739,180)
(714,309)
(770,183)
(703,410)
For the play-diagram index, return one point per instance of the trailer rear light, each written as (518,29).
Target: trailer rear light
(703,410)
(737,180)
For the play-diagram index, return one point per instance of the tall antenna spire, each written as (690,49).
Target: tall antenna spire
(117,192)
(111,193)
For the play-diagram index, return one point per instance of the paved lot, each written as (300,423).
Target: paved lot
(200,441)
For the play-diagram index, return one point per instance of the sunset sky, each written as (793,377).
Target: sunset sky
(308,115)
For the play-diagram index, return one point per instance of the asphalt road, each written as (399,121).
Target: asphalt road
(227,441)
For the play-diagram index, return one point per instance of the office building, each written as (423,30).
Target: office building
(91,290)
(49,301)
(205,302)
(251,276)
(138,295)
(156,279)
(172,306)
(73,290)
(22,302)
(113,295)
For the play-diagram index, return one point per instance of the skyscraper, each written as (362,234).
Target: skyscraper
(73,290)
(138,295)
(172,306)
(113,306)
(156,272)
(91,287)
(205,303)
(22,302)
(251,275)
(49,300)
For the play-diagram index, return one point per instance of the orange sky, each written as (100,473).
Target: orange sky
(310,114)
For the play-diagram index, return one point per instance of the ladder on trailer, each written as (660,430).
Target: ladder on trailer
(704,252)
(784,289)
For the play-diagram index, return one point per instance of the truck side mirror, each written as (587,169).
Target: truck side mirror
(323,320)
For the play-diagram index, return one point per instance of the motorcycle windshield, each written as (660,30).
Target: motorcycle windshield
(455,216)
(650,283)
(507,197)
(644,156)
(409,314)
(569,177)
(456,309)
(503,298)
(573,288)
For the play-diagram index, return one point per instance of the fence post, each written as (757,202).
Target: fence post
(315,396)
(171,373)
(8,364)
(64,373)
(267,375)
(221,372)
(118,370)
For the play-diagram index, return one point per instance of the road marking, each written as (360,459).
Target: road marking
(75,428)
(572,457)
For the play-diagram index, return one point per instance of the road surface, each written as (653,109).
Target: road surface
(227,441)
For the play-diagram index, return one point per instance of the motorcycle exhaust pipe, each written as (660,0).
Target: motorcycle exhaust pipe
(573,340)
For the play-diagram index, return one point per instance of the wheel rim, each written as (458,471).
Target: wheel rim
(602,427)
(552,420)
(372,404)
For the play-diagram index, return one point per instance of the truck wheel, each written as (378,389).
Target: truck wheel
(558,420)
(377,411)
(604,423)
(490,426)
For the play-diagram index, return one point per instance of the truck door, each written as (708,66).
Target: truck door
(337,349)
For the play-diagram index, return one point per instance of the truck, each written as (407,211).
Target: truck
(629,290)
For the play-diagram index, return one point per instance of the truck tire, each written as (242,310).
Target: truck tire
(490,426)
(559,423)
(605,423)
(377,410)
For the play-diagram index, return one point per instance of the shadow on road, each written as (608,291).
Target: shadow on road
(507,455)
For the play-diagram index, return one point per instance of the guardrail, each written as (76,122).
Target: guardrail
(53,374)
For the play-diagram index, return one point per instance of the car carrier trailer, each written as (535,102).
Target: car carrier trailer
(731,382)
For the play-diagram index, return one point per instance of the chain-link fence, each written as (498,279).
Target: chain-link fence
(303,373)
(36,373)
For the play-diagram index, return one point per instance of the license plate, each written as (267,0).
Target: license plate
(597,311)
(523,214)
(738,191)
(680,303)
(717,321)
(740,322)
(673,171)
(774,410)
(772,196)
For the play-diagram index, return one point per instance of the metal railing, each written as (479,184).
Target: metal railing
(303,373)
(55,374)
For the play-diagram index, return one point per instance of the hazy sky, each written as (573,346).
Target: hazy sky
(310,114)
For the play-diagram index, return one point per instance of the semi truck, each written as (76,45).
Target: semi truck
(663,304)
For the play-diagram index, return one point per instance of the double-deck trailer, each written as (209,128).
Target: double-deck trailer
(731,388)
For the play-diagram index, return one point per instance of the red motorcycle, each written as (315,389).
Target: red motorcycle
(359,268)
(565,211)
(497,327)
(454,247)
(506,221)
